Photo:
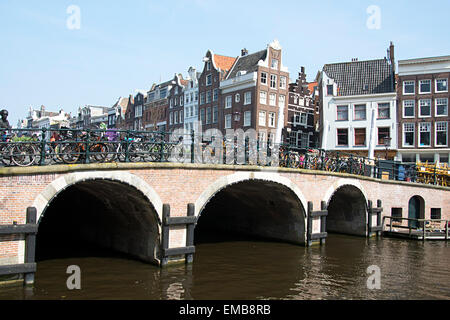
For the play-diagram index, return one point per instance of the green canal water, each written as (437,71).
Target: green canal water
(250,269)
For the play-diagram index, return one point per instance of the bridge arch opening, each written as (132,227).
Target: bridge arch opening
(252,209)
(98,217)
(347,211)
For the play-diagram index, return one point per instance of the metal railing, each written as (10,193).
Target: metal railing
(41,147)
(425,227)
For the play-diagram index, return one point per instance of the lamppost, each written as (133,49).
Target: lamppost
(387,144)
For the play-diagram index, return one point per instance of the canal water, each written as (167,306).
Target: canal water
(250,269)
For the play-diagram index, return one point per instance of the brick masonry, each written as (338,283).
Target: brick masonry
(181,184)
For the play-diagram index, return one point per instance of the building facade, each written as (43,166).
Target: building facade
(423,97)
(215,69)
(156,107)
(191,114)
(358,107)
(254,93)
(301,127)
(176,104)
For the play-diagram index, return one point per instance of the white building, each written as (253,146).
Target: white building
(191,102)
(358,107)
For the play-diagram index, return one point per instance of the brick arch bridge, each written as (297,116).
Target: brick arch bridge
(131,203)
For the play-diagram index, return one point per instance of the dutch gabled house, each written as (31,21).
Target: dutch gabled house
(175,119)
(215,69)
(254,93)
(301,125)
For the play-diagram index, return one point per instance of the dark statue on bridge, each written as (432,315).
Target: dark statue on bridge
(4,123)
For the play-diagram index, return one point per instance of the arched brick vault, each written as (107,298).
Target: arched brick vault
(142,240)
(226,181)
(62,183)
(255,219)
(339,184)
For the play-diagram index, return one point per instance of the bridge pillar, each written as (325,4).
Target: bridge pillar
(317,224)
(374,224)
(169,255)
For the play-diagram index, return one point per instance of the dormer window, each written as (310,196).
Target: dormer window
(241,73)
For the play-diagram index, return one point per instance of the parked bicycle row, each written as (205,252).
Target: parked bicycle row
(68,146)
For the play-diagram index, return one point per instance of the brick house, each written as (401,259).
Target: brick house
(301,126)
(156,107)
(254,92)
(175,114)
(423,97)
(215,69)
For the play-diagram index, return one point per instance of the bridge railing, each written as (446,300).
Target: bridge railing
(423,226)
(31,147)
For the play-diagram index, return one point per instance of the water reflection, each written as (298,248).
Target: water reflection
(259,270)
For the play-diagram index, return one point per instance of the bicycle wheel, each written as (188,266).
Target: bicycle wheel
(70,153)
(23,155)
(98,153)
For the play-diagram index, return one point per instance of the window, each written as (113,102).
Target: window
(208,96)
(441,85)
(436,214)
(228,121)
(264,78)
(441,134)
(208,115)
(208,65)
(360,112)
(383,133)
(181,100)
(408,108)
(282,82)
(274,64)
(303,118)
(397,214)
(238,98)
(342,113)
(216,95)
(409,87)
(273,81)
(247,118)
(181,117)
(360,137)
(330,89)
(425,108)
(384,111)
(215,114)
(171,103)
(202,98)
(208,80)
(262,118)
(175,117)
(272,119)
(196,96)
(441,107)
(247,98)
(187,98)
(171,118)
(202,116)
(425,134)
(342,137)
(228,102)
(282,101)
(425,86)
(273,99)
(409,133)
(263,97)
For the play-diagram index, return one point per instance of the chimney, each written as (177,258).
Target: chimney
(244,52)
(302,70)
(392,55)
(355,60)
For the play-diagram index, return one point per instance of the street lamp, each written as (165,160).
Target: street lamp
(387,144)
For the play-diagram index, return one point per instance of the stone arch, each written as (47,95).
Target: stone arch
(253,204)
(226,181)
(57,186)
(121,213)
(347,208)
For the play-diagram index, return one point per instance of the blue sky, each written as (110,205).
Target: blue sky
(126,45)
